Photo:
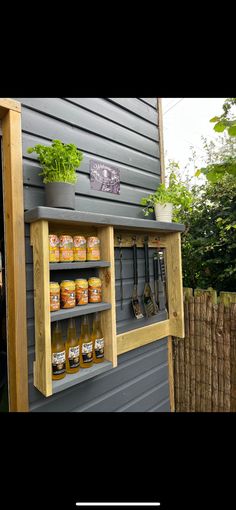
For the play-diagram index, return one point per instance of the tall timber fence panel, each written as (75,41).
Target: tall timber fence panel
(204,361)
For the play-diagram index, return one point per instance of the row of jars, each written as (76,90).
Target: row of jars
(70,293)
(73,249)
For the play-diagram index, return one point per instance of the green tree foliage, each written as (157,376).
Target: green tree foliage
(226,121)
(220,156)
(209,242)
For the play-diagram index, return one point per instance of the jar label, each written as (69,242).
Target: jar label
(73,356)
(95,295)
(81,296)
(99,347)
(67,298)
(87,352)
(66,255)
(58,362)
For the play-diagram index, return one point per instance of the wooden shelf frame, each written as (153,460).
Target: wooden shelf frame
(44,221)
(39,231)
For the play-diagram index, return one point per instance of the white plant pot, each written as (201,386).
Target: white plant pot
(164,212)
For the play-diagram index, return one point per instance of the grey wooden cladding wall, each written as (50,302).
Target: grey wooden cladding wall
(139,383)
(122,132)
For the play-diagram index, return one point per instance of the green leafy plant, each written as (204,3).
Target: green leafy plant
(58,161)
(177,193)
(227,120)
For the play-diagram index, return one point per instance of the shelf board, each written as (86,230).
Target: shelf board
(53,266)
(82,375)
(88,218)
(79,310)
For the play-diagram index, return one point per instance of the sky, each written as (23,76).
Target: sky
(185,120)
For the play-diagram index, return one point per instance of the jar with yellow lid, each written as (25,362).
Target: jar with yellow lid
(81,291)
(53,248)
(94,290)
(67,294)
(54,296)
(79,249)
(93,248)
(66,249)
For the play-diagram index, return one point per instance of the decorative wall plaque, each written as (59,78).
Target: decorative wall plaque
(104,177)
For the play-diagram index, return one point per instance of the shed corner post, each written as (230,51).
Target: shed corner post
(13,207)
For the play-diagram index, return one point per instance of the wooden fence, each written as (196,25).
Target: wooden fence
(204,362)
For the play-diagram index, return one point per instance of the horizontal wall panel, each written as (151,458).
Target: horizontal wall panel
(117,114)
(128,175)
(128,194)
(146,365)
(152,101)
(162,407)
(149,398)
(138,107)
(39,124)
(72,114)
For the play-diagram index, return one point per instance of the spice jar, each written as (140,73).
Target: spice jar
(93,248)
(66,249)
(53,248)
(95,290)
(54,296)
(79,248)
(67,294)
(81,291)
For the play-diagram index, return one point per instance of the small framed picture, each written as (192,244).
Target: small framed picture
(104,177)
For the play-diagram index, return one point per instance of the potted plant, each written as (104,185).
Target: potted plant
(59,162)
(167,201)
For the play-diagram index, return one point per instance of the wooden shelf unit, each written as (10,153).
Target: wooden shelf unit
(39,231)
(44,220)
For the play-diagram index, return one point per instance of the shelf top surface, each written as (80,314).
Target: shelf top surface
(83,375)
(72,216)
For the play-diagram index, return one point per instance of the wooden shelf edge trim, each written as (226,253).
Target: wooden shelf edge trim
(142,336)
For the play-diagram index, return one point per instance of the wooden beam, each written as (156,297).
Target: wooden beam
(107,275)
(142,336)
(14,258)
(161,138)
(127,239)
(171,375)
(42,364)
(175,285)
(7,104)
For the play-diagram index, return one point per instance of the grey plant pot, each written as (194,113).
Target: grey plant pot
(60,194)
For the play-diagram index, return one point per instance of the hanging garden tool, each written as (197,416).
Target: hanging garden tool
(121,272)
(159,287)
(148,299)
(135,301)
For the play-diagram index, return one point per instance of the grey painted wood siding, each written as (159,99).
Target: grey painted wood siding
(122,132)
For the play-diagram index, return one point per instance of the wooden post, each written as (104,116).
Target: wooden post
(175,284)
(107,275)
(14,255)
(161,138)
(42,364)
